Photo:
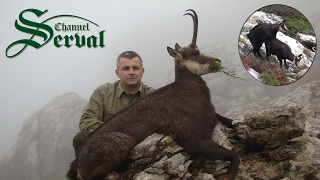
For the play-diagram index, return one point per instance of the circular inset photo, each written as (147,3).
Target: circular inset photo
(277,45)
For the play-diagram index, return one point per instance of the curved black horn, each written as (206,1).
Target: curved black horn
(283,26)
(195,25)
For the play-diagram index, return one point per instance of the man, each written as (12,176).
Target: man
(109,98)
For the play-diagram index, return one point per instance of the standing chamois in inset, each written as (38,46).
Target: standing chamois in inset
(181,109)
(264,33)
(283,52)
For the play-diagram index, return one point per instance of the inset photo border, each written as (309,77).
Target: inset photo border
(277,45)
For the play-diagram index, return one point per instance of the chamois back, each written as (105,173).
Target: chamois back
(264,33)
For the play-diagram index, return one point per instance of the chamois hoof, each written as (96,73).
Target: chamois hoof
(113,176)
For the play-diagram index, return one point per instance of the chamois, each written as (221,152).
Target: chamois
(283,52)
(181,109)
(264,33)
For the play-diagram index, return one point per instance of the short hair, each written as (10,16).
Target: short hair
(128,55)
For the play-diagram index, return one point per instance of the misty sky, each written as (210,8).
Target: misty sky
(36,76)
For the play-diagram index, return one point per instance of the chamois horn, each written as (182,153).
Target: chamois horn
(283,26)
(195,25)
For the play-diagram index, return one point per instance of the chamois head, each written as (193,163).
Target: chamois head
(190,57)
(297,59)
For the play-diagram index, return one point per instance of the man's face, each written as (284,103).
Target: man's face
(130,71)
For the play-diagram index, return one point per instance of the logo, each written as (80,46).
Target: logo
(45,33)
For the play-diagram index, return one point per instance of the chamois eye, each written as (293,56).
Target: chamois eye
(195,52)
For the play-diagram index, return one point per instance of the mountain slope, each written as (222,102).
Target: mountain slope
(44,145)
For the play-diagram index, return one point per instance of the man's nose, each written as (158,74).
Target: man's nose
(131,70)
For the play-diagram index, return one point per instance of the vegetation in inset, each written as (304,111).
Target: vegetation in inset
(295,21)
(270,73)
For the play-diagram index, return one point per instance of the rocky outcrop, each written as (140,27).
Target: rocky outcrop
(270,143)
(44,145)
(281,142)
(160,157)
(308,41)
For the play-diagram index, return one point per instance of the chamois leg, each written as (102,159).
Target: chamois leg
(226,121)
(256,49)
(214,151)
(112,176)
(268,53)
(280,61)
(72,173)
(256,44)
(285,64)
(104,154)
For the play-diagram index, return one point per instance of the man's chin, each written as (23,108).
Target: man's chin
(133,83)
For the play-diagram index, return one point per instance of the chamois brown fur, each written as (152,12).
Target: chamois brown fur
(283,52)
(181,109)
(264,33)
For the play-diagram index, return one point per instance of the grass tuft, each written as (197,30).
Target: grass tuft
(223,70)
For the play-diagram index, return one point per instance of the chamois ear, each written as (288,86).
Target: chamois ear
(177,46)
(174,53)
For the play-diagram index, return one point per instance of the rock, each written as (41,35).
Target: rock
(307,40)
(267,142)
(281,142)
(269,129)
(160,157)
(44,145)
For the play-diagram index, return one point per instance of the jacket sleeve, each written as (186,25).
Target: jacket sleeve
(92,114)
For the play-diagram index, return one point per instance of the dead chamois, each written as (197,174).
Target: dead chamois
(181,109)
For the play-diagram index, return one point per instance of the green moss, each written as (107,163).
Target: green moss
(269,79)
(298,24)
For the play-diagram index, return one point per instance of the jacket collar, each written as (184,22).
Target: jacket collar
(120,90)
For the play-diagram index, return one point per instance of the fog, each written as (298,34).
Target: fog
(34,77)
